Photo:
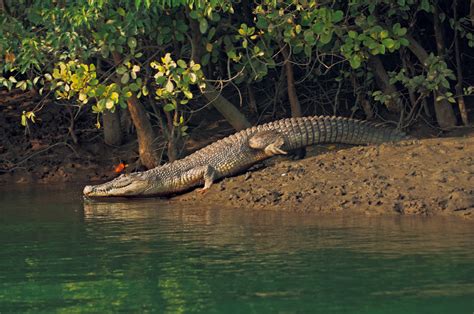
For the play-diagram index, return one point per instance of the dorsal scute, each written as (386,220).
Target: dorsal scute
(287,127)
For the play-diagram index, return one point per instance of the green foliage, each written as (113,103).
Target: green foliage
(78,81)
(174,80)
(469,90)
(435,77)
(303,27)
(97,53)
(371,39)
(384,98)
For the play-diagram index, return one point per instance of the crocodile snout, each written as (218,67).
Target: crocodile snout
(87,189)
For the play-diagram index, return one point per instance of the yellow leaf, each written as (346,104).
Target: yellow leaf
(83,97)
(144,90)
(192,77)
(56,74)
(169,86)
(114,96)
(166,59)
(188,94)
(23,119)
(31,115)
(109,104)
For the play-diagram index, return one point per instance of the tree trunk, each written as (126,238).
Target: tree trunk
(295,106)
(438,31)
(471,13)
(290,79)
(406,65)
(172,138)
(112,124)
(461,103)
(225,107)
(383,81)
(251,97)
(112,128)
(417,49)
(145,134)
(443,109)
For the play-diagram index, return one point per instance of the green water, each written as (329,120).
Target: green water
(59,255)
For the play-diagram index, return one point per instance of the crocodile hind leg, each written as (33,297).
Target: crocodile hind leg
(206,173)
(269,141)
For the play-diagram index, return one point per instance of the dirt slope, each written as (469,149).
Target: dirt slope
(422,177)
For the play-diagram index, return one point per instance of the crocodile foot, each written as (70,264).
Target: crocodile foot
(202,191)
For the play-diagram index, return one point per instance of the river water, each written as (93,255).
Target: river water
(61,255)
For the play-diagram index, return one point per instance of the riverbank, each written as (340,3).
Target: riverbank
(421,177)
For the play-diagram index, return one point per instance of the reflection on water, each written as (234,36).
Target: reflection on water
(153,255)
(290,231)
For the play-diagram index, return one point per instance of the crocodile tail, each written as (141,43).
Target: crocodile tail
(305,131)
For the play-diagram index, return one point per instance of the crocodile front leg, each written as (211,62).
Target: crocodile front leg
(268,141)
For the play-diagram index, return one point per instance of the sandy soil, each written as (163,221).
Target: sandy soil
(420,177)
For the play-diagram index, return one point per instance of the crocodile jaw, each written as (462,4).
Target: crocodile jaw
(124,185)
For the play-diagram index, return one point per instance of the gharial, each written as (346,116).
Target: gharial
(240,151)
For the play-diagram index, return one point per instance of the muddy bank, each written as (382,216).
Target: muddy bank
(422,177)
